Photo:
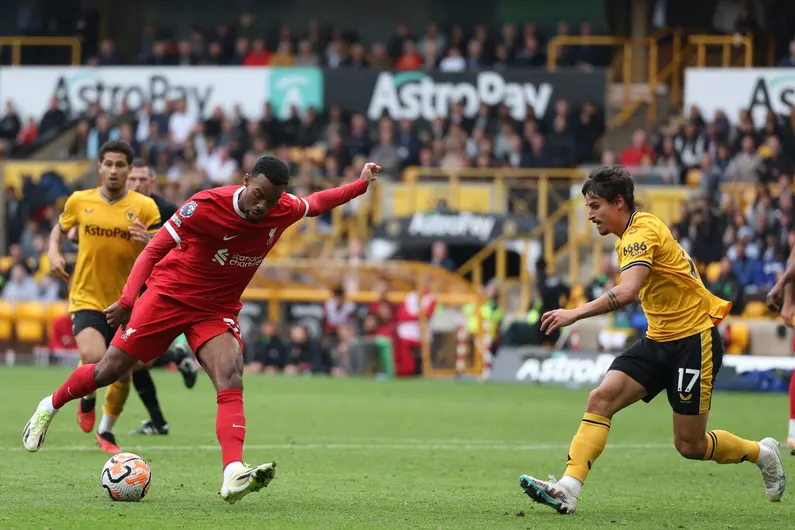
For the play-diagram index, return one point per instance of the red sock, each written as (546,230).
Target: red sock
(81,383)
(792,397)
(230,425)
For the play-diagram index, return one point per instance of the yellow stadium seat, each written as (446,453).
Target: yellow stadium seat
(755,309)
(30,331)
(6,320)
(5,263)
(713,272)
(739,339)
(56,309)
(30,322)
(693,178)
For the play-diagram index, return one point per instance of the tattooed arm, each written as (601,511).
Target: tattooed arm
(632,280)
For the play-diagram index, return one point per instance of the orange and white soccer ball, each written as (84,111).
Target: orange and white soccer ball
(126,477)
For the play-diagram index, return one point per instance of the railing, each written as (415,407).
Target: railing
(16,44)
(313,280)
(683,49)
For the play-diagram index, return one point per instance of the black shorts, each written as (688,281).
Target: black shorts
(86,318)
(686,368)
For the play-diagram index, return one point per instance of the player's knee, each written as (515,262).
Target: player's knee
(602,401)
(690,448)
(113,367)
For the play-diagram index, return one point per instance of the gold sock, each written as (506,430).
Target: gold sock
(587,445)
(725,448)
(115,397)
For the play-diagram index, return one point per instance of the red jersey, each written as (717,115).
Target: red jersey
(207,253)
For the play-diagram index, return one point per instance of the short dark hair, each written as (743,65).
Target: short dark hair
(610,183)
(273,169)
(117,146)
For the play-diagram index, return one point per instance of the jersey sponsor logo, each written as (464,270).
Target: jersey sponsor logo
(176,220)
(222,257)
(96,230)
(130,215)
(188,209)
(635,249)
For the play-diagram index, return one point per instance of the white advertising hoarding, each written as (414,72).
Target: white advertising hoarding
(203,88)
(734,89)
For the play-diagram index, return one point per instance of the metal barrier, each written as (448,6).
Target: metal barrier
(16,44)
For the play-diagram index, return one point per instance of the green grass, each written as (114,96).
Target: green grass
(399,454)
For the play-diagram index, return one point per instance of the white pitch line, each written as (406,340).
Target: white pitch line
(351,447)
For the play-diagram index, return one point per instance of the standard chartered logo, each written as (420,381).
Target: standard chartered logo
(295,87)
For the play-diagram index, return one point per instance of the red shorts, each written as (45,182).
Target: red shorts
(157,320)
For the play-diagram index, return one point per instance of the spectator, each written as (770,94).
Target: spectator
(10,123)
(20,287)
(728,286)
(632,155)
(305,355)
(439,256)
(54,119)
(268,351)
(258,55)
(453,62)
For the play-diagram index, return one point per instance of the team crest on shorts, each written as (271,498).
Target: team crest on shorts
(188,209)
(130,214)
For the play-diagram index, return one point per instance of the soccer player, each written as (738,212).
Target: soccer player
(143,180)
(196,269)
(681,353)
(783,289)
(115,225)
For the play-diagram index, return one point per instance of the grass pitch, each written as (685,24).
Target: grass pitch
(392,454)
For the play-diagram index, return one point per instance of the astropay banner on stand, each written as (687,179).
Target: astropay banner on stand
(734,89)
(203,89)
(427,95)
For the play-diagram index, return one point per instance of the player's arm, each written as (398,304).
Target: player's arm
(326,200)
(636,253)
(67,220)
(147,224)
(625,293)
(784,289)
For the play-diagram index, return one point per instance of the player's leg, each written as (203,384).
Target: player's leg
(220,353)
(115,398)
(85,380)
(632,377)
(791,434)
(145,386)
(690,396)
(88,328)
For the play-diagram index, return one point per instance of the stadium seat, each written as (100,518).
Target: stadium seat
(5,263)
(576,297)
(713,272)
(30,320)
(693,178)
(6,321)
(739,339)
(755,309)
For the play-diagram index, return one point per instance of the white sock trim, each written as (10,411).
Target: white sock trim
(106,424)
(792,428)
(572,484)
(46,403)
(232,468)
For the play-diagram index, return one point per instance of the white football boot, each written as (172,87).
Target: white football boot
(772,469)
(36,428)
(550,493)
(247,480)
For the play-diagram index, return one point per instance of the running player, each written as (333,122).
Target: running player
(681,353)
(142,179)
(115,225)
(196,270)
(783,288)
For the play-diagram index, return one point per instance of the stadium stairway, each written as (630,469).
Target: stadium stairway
(620,137)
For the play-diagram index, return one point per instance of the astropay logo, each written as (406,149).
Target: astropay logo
(452,225)
(414,95)
(221,256)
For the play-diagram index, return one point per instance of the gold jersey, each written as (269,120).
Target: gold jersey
(674,299)
(106,251)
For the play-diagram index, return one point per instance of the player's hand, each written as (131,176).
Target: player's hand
(559,318)
(774,297)
(368,172)
(58,267)
(138,232)
(117,315)
(73,234)
(788,315)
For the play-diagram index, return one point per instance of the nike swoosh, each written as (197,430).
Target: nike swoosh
(227,238)
(238,426)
